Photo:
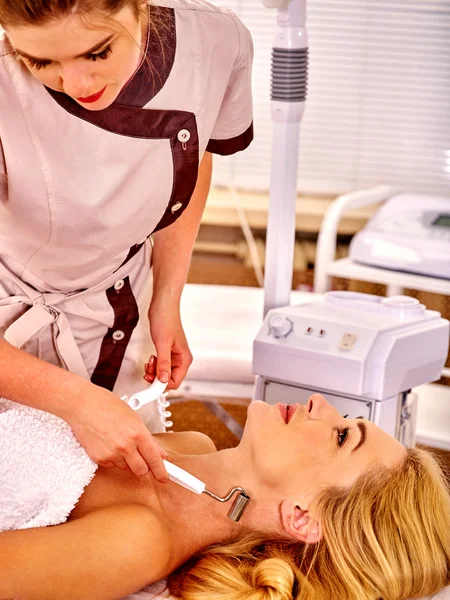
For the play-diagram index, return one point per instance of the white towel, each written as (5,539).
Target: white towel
(43,468)
(156,591)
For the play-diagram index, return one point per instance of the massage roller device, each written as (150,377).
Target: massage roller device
(178,475)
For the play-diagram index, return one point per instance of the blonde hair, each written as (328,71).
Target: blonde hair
(388,536)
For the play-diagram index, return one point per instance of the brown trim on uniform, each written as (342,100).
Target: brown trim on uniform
(132,252)
(185,172)
(232,145)
(158,62)
(114,346)
(127,117)
(162,124)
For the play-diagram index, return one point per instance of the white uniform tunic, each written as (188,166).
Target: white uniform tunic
(81,191)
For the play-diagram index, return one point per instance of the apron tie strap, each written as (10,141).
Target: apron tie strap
(38,317)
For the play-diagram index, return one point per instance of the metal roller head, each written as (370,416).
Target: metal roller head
(239,504)
(238,507)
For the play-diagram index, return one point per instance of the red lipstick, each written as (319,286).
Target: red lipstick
(92,98)
(291,410)
(287,411)
(283,411)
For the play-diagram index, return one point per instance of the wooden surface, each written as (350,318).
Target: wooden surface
(221,210)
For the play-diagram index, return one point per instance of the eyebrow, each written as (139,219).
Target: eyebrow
(363,430)
(91,51)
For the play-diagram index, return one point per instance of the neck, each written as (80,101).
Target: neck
(196,521)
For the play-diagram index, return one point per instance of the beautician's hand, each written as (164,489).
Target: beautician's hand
(173,357)
(113,435)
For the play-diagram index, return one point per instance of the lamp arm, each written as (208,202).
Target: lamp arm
(288,95)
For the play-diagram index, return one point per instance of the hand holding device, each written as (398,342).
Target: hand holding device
(113,436)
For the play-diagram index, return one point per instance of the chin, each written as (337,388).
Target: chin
(95,108)
(263,425)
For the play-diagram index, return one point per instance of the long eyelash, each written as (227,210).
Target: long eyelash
(341,441)
(37,64)
(103,55)
(41,64)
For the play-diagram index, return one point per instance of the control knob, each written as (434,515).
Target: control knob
(280,326)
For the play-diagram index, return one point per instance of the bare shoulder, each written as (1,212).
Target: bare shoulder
(141,524)
(109,552)
(149,538)
(186,442)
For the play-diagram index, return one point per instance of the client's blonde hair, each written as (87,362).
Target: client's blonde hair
(388,536)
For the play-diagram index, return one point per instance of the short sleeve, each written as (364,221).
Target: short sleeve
(233,130)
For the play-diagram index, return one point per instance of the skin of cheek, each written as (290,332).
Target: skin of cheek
(300,458)
(284,460)
(113,72)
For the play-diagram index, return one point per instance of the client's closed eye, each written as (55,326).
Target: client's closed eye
(342,436)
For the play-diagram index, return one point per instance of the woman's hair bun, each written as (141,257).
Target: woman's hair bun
(274,575)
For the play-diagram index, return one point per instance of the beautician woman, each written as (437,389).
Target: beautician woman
(110,111)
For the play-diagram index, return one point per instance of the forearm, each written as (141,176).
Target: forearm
(36,383)
(173,246)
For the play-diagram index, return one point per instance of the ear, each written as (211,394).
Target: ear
(299,523)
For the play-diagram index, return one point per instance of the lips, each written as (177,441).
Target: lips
(93,98)
(283,411)
(287,410)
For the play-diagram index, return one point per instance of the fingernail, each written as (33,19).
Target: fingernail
(152,360)
(147,378)
(146,366)
(164,377)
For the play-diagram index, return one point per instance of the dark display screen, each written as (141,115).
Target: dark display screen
(442,221)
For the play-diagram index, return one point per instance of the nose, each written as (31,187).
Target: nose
(318,408)
(77,81)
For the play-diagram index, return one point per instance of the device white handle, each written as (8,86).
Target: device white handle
(183,478)
(152,393)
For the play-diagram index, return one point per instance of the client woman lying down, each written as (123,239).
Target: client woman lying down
(338,510)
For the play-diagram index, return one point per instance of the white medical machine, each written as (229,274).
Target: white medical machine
(364,353)
(408,233)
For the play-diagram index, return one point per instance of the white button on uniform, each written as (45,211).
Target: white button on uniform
(118,335)
(119,285)
(183,136)
(176,207)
